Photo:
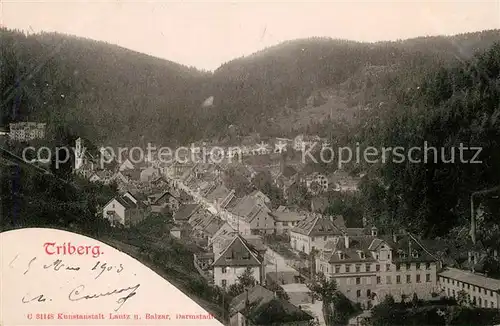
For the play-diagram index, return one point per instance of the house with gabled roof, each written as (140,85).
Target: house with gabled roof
(286,220)
(123,210)
(233,261)
(252,212)
(164,201)
(315,231)
(185,212)
(260,306)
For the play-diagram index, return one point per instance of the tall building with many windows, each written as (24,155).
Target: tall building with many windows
(368,267)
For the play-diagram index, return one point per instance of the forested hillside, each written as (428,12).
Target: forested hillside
(451,107)
(110,94)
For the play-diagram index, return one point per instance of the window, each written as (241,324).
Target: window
(337,269)
(358,293)
(362,255)
(398,267)
(358,268)
(427,277)
(491,293)
(480,301)
(452,282)
(427,265)
(448,280)
(473,289)
(377,268)
(468,286)
(348,281)
(325,238)
(388,279)
(398,279)
(388,267)
(378,279)
(417,265)
(368,280)
(418,278)
(358,280)
(408,278)
(347,268)
(491,305)
(453,293)
(369,293)
(408,267)
(367,267)
(224,283)
(224,270)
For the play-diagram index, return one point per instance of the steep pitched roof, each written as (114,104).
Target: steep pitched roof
(357,247)
(239,253)
(408,249)
(220,192)
(185,212)
(261,307)
(318,225)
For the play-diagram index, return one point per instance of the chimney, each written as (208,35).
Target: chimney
(365,222)
(394,237)
(346,241)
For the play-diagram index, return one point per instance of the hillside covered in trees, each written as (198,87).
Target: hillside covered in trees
(114,95)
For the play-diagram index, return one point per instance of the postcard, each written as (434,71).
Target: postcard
(249,163)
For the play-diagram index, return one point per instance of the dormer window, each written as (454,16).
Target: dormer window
(341,255)
(362,255)
(414,254)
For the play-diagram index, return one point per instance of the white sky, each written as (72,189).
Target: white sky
(206,34)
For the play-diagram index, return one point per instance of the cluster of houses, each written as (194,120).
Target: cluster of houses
(26,131)
(230,228)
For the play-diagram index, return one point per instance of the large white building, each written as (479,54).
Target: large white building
(367,267)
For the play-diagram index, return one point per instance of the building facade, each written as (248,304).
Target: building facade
(367,268)
(470,288)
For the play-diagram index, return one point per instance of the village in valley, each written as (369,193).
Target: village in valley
(281,247)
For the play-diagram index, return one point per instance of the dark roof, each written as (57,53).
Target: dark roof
(317,225)
(407,249)
(239,253)
(261,307)
(357,245)
(185,212)
(126,202)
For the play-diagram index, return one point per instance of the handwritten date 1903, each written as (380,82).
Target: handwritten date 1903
(103,267)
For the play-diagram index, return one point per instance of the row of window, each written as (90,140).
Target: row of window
(368,268)
(388,279)
(465,286)
(472,299)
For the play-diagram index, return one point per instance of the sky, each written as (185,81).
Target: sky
(207,34)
